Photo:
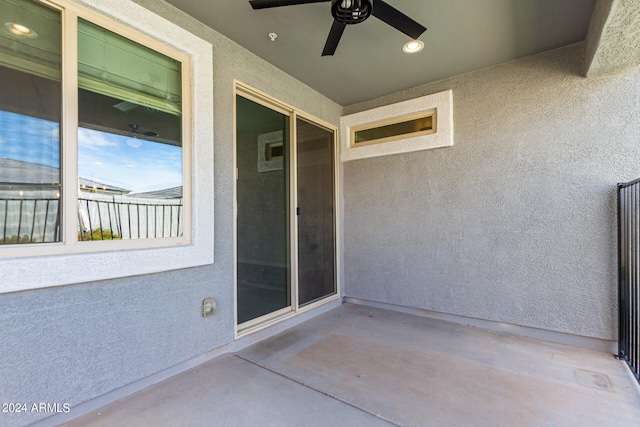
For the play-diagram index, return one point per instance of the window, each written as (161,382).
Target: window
(96,141)
(422,123)
(417,124)
(129,140)
(270,151)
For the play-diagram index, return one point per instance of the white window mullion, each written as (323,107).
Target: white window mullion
(69,132)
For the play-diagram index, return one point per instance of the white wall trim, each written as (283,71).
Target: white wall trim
(443,137)
(526,331)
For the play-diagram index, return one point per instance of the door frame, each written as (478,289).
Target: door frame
(294,309)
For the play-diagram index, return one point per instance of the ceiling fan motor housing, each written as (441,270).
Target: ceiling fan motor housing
(351,11)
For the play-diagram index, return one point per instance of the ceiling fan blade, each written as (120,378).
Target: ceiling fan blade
(397,19)
(334,38)
(264,4)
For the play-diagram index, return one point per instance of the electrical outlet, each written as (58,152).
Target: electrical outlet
(208,307)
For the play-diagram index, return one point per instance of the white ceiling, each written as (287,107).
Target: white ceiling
(461,36)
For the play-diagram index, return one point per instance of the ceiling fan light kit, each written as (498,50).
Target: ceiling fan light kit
(351,12)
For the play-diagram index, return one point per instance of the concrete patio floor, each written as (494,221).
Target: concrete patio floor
(363,366)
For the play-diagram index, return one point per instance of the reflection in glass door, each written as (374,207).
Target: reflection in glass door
(263,250)
(316,213)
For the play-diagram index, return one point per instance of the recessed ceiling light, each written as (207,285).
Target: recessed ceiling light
(20,30)
(413,46)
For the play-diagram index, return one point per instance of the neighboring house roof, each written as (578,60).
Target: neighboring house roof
(165,193)
(32,174)
(19,172)
(101,187)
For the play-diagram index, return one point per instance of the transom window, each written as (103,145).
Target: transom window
(407,126)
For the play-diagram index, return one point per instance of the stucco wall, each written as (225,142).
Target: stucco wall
(74,343)
(514,223)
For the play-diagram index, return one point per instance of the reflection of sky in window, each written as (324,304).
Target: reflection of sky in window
(28,139)
(135,164)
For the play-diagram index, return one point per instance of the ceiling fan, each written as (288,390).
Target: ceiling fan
(349,12)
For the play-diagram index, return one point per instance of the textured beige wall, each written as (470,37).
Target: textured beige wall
(516,221)
(613,40)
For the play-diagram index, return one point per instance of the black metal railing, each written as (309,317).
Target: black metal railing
(107,220)
(29,220)
(629,274)
(25,220)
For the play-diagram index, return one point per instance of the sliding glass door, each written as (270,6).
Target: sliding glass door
(316,212)
(263,250)
(285,212)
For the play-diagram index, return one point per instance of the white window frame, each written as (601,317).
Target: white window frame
(440,104)
(31,266)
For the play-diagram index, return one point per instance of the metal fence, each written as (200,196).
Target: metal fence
(106,220)
(29,220)
(629,274)
(38,220)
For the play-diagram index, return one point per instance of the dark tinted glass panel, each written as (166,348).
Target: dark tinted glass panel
(263,276)
(395,129)
(316,219)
